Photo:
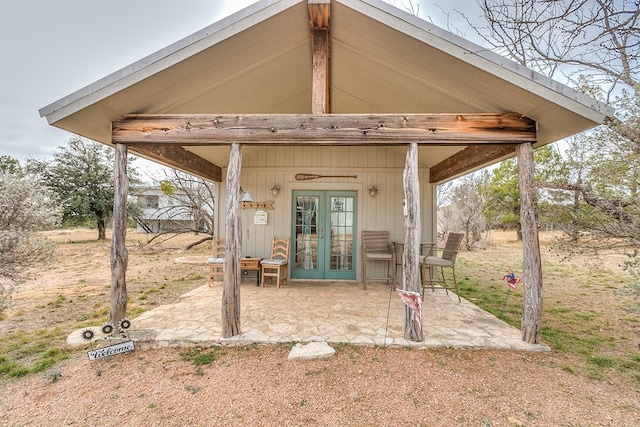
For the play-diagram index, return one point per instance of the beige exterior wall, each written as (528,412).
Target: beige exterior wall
(263,167)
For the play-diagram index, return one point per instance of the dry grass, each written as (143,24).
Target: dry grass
(585,315)
(74,293)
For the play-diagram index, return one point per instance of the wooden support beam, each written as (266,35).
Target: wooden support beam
(412,237)
(119,253)
(233,242)
(471,157)
(531,326)
(320,86)
(319,15)
(327,129)
(181,159)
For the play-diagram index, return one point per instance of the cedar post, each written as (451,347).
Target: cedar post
(532,263)
(319,16)
(119,254)
(411,254)
(233,226)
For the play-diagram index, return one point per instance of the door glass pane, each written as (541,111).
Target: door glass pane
(342,216)
(306,232)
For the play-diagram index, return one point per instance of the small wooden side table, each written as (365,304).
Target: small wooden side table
(251,264)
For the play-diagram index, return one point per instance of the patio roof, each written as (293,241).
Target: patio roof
(383,60)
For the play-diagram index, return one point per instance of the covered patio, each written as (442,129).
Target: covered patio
(332,312)
(355,93)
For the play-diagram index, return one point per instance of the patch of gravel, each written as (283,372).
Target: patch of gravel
(358,386)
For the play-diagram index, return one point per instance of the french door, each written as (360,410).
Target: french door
(324,235)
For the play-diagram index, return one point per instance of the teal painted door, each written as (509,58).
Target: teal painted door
(323,235)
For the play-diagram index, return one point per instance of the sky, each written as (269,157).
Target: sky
(51,48)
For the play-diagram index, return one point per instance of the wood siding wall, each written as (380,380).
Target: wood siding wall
(263,167)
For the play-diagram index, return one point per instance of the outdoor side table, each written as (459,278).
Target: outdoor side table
(251,264)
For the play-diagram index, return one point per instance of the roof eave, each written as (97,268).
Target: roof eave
(484,59)
(163,58)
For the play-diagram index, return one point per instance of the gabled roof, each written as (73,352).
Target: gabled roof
(383,60)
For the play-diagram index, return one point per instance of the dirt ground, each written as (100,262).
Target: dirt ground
(358,386)
(258,386)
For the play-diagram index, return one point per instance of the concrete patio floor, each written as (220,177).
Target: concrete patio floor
(333,312)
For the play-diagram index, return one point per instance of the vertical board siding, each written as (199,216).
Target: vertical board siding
(263,167)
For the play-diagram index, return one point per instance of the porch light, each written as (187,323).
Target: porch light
(246,196)
(275,189)
(373,190)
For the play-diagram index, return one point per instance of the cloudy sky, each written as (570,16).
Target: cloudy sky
(51,48)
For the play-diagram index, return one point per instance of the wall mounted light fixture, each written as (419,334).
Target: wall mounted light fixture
(373,190)
(275,189)
(246,196)
(247,202)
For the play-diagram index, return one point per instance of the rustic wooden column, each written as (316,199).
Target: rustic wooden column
(532,263)
(413,231)
(119,254)
(233,226)
(319,15)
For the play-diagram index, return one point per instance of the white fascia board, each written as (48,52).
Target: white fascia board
(164,58)
(483,59)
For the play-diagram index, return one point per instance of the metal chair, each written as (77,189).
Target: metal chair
(430,265)
(377,247)
(277,265)
(216,262)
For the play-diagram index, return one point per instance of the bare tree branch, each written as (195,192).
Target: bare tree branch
(600,38)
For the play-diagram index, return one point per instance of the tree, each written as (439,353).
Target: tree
(194,199)
(81,177)
(10,165)
(501,193)
(444,194)
(406,5)
(25,208)
(187,197)
(603,191)
(599,38)
(595,44)
(465,213)
(502,197)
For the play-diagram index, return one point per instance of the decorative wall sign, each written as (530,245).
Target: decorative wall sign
(260,217)
(258,205)
(111,350)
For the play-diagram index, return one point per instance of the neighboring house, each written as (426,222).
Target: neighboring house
(343,89)
(162,213)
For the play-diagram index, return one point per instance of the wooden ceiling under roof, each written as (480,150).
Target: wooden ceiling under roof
(163,136)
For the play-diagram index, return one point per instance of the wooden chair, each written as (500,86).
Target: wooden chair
(377,247)
(216,262)
(277,265)
(430,265)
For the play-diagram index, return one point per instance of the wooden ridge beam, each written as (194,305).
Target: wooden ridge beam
(181,159)
(471,157)
(319,14)
(327,129)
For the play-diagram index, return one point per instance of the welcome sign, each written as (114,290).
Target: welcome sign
(111,350)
